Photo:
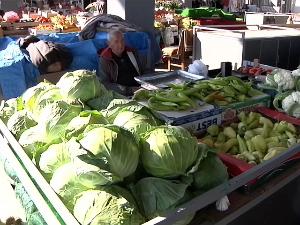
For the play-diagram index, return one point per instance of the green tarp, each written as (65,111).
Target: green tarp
(197,13)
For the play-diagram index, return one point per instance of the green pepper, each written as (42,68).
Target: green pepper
(240,98)
(224,147)
(250,146)
(212,97)
(241,116)
(242,144)
(228,90)
(221,103)
(184,104)
(169,104)
(253,163)
(265,131)
(253,125)
(221,137)
(235,126)
(258,155)
(241,157)
(201,86)
(291,128)
(249,119)
(208,142)
(274,144)
(176,86)
(272,139)
(198,96)
(215,87)
(259,143)
(216,82)
(239,88)
(289,134)
(271,154)
(229,99)
(274,133)
(291,142)
(234,150)
(248,135)
(168,97)
(263,120)
(186,92)
(257,131)
(213,130)
(248,156)
(242,128)
(187,99)
(156,105)
(282,126)
(275,126)
(253,92)
(229,132)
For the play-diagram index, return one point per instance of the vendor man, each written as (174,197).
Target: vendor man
(119,64)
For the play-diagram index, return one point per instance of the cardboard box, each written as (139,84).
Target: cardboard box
(192,120)
(230,111)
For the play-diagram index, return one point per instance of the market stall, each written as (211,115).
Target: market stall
(256,165)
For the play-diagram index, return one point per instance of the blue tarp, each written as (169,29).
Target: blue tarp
(17,73)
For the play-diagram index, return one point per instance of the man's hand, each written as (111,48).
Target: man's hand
(134,89)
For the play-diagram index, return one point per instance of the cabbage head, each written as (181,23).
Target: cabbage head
(79,123)
(112,153)
(66,185)
(80,84)
(156,196)
(9,107)
(211,171)
(31,94)
(31,140)
(108,205)
(56,117)
(136,119)
(103,101)
(168,151)
(19,122)
(55,156)
(46,97)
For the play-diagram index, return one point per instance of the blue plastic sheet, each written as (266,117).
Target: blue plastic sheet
(17,73)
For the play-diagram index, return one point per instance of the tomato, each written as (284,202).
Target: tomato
(258,72)
(269,70)
(252,71)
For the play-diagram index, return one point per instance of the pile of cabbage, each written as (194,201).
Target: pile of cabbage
(106,157)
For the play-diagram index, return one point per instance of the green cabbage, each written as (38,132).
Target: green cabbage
(112,153)
(56,117)
(80,84)
(168,151)
(211,171)
(19,122)
(55,156)
(156,196)
(66,185)
(9,107)
(109,205)
(79,123)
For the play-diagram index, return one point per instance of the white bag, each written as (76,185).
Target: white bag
(198,68)
(169,36)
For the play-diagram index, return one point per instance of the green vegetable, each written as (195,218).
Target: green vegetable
(248,135)
(221,103)
(263,120)
(229,132)
(74,85)
(249,119)
(242,128)
(234,150)
(279,149)
(275,126)
(248,156)
(161,151)
(291,142)
(274,144)
(240,98)
(187,99)
(213,130)
(282,126)
(208,142)
(140,94)
(112,203)
(272,139)
(234,126)
(253,163)
(259,143)
(156,105)
(241,116)
(242,144)
(274,133)
(265,131)
(253,125)
(258,155)
(250,146)
(289,134)
(224,147)
(257,131)
(291,128)
(221,137)
(241,157)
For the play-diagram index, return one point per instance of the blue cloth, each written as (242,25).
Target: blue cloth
(17,73)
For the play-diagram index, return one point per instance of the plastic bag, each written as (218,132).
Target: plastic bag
(11,16)
(198,68)
(169,36)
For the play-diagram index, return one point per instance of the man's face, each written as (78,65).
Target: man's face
(117,45)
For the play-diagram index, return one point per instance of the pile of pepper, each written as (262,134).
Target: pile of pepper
(253,139)
(220,91)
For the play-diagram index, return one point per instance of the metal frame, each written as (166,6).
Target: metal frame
(60,208)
